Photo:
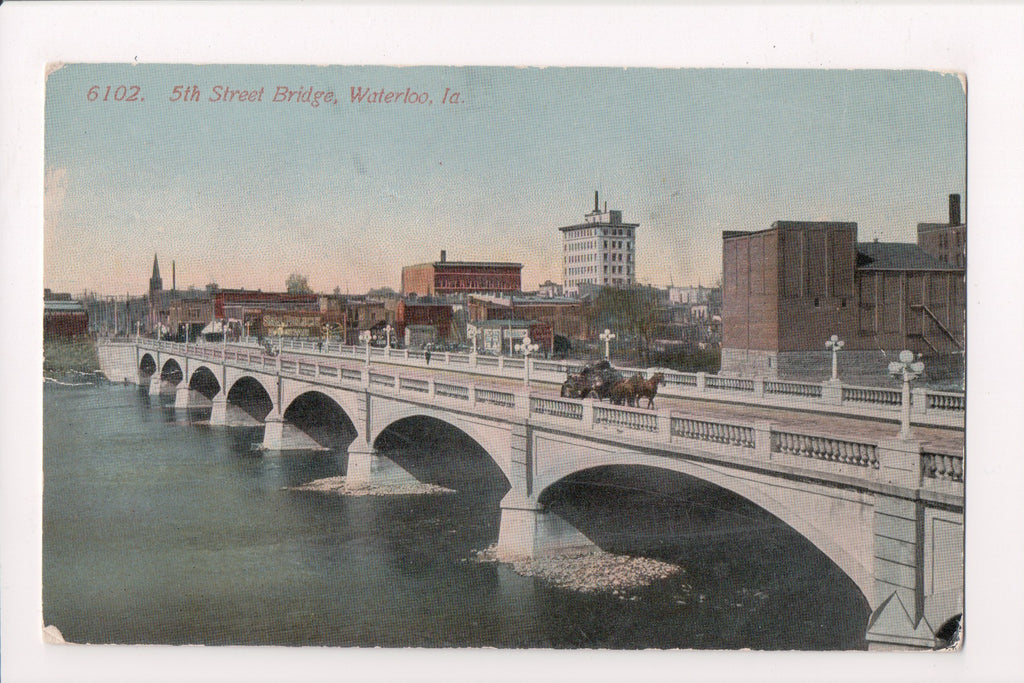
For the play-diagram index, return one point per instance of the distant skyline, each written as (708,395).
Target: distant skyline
(245,193)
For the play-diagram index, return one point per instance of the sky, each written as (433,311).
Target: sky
(244,193)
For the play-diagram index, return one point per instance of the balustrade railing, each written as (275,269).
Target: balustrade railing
(673,379)
(451,391)
(729,383)
(413,384)
(878,396)
(945,401)
(626,419)
(499,398)
(382,380)
(487,361)
(825,448)
(942,466)
(572,410)
(783,388)
(715,432)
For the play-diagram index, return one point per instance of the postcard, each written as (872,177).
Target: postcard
(498,359)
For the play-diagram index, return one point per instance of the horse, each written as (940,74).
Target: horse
(647,387)
(623,391)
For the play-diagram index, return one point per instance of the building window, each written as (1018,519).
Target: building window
(817,302)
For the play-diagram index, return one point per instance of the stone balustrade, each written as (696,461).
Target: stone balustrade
(762,440)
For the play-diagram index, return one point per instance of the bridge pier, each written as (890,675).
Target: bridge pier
(367,467)
(281,435)
(906,538)
(156,385)
(529,531)
(185,398)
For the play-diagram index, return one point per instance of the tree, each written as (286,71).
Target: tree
(297,284)
(630,312)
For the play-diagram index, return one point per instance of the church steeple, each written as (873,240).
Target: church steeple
(155,283)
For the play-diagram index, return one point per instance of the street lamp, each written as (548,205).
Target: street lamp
(834,344)
(606,337)
(387,331)
(280,338)
(471,334)
(907,369)
(526,347)
(364,338)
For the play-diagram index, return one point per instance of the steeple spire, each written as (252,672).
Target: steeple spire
(155,283)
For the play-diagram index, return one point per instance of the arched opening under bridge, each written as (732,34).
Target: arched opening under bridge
(322,419)
(250,396)
(205,382)
(749,577)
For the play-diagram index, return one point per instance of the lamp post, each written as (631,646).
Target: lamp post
(526,347)
(834,344)
(471,334)
(387,332)
(907,369)
(280,338)
(364,338)
(606,337)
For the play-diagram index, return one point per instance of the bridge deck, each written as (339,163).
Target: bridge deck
(942,440)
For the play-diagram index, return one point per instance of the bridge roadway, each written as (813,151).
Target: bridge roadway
(948,440)
(888,512)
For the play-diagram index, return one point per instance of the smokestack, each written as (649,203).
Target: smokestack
(954,209)
(444,255)
(606,207)
(173,286)
(595,201)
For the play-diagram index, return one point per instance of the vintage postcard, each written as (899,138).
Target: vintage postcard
(500,358)
(504,357)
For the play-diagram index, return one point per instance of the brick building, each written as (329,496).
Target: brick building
(445,277)
(946,241)
(63,318)
(418,312)
(789,288)
(565,316)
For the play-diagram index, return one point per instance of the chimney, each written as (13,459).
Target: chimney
(444,256)
(173,287)
(595,201)
(954,209)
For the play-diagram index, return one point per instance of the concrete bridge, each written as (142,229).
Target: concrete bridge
(888,512)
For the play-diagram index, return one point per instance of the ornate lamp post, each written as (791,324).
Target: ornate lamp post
(907,369)
(606,337)
(471,334)
(364,338)
(387,331)
(834,344)
(526,347)
(280,338)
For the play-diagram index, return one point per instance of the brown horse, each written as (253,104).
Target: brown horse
(623,391)
(646,387)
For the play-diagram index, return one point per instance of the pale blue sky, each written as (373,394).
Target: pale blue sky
(245,193)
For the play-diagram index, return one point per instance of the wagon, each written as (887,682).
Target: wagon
(592,381)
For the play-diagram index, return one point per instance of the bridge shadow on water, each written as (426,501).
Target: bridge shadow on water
(751,581)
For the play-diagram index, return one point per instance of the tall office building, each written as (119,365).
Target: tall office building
(599,251)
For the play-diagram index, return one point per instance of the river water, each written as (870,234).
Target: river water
(158,528)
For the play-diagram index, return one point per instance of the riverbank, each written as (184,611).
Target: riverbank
(65,358)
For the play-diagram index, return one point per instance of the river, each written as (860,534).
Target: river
(158,528)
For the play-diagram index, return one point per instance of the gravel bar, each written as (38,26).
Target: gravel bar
(338,486)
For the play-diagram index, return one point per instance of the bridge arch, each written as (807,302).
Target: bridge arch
(249,394)
(814,514)
(493,438)
(321,418)
(204,381)
(171,372)
(404,439)
(147,366)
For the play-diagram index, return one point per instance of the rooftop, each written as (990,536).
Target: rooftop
(897,256)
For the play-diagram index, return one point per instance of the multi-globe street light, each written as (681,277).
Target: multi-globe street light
(526,347)
(834,344)
(606,337)
(907,369)
(364,338)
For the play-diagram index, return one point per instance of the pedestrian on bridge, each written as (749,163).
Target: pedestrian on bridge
(426,356)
